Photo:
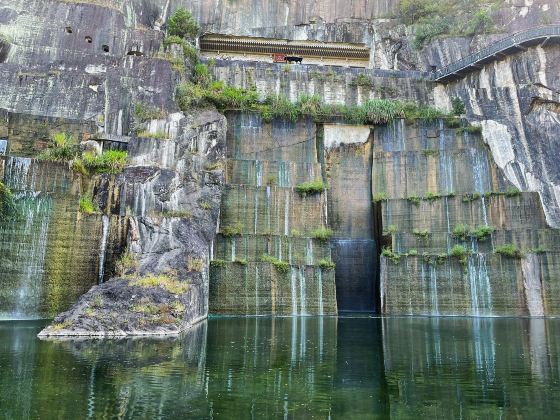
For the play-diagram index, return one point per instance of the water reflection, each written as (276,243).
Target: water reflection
(290,368)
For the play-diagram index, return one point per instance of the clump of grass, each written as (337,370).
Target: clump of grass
(508,250)
(145,308)
(434,259)
(469,197)
(110,162)
(97,302)
(61,325)
(310,188)
(62,147)
(457,105)
(379,197)
(195,264)
(327,264)
(414,199)
(240,261)
(322,234)
(431,196)
(539,250)
(460,252)
(172,285)
(421,233)
(470,129)
(218,263)
(362,79)
(233,230)
(158,135)
(145,112)
(87,205)
(412,252)
(482,232)
(430,152)
(295,232)
(126,264)
(390,255)
(189,50)
(177,307)
(205,205)
(212,166)
(281,266)
(452,122)
(512,192)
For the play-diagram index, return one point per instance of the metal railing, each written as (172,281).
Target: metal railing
(541,32)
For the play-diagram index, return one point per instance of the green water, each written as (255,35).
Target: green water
(290,368)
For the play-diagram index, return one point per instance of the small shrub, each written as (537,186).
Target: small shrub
(362,79)
(271,180)
(457,106)
(61,325)
(538,251)
(97,302)
(145,308)
(430,152)
(126,264)
(452,122)
(391,229)
(469,197)
(482,232)
(87,205)
(205,205)
(7,203)
(460,252)
(471,129)
(390,255)
(281,266)
(434,260)
(412,252)
(295,232)
(327,264)
(461,231)
(177,307)
(182,24)
(110,162)
(322,234)
(240,261)
(310,188)
(177,214)
(508,250)
(414,199)
(202,74)
(380,196)
(423,234)
(212,166)
(62,147)
(144,112)
(158,135)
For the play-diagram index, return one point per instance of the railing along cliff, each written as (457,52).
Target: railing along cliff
(519,41)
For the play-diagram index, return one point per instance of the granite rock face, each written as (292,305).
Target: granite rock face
(171,201)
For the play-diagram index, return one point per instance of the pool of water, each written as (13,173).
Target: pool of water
(347,367)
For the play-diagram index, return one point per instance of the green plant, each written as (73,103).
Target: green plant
(62,147)
(202,74)
(460,252)
(512,192)
(480,22)
(195,264)
(109,162)
(430,152)
(391,229)
(295,232)
(322,234)
(460,231)
(390,255)
(145,112)
(380,196)
(539,250)
(452,122)
(414,199)
(431,196)
(240,261)
(471,129)
(126,264)
(508,250)
(145,308)
(457,106)
(310,188)
(469,197)
(166,282)
(178,214)
(182,24)
(158,135)
(86,204)
(281,266)
(434,259)
(97,302)
(412,252)
(205,205)
(7,203)
(481,233)
(327,264)
(189,51)
(423,234)
(218,263)
(233,230)
(362,79)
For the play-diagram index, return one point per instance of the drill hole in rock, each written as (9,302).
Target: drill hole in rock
(88,39)
(105,48)
(68,30)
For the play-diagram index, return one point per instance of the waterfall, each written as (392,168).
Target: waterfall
(233,248)
(484,214)
(103,247)
(30,249)
(268,207)
(320,290)
(302,290)
(259,172)
(294,290)
(256,289)
(283,174)
(286,212)
(289,252)
(17,174)
(309,251)
(433,291)
(479,284)
(448,238)
(532,284)
(3,146)
(256,210)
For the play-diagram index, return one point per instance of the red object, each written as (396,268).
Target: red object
(278,58)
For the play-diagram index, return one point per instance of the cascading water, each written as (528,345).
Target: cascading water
(302,293)
(259,172)
(479,284)
(233,248)
(293,281)
(286,212)
(320,290)
(434,291)
(103,247)
(309,251)
(26,236)
(3,146)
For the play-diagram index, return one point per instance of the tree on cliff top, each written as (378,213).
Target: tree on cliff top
(182,24)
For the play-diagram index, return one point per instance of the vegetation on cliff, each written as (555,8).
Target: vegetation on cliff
(6,201)
(182,24)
